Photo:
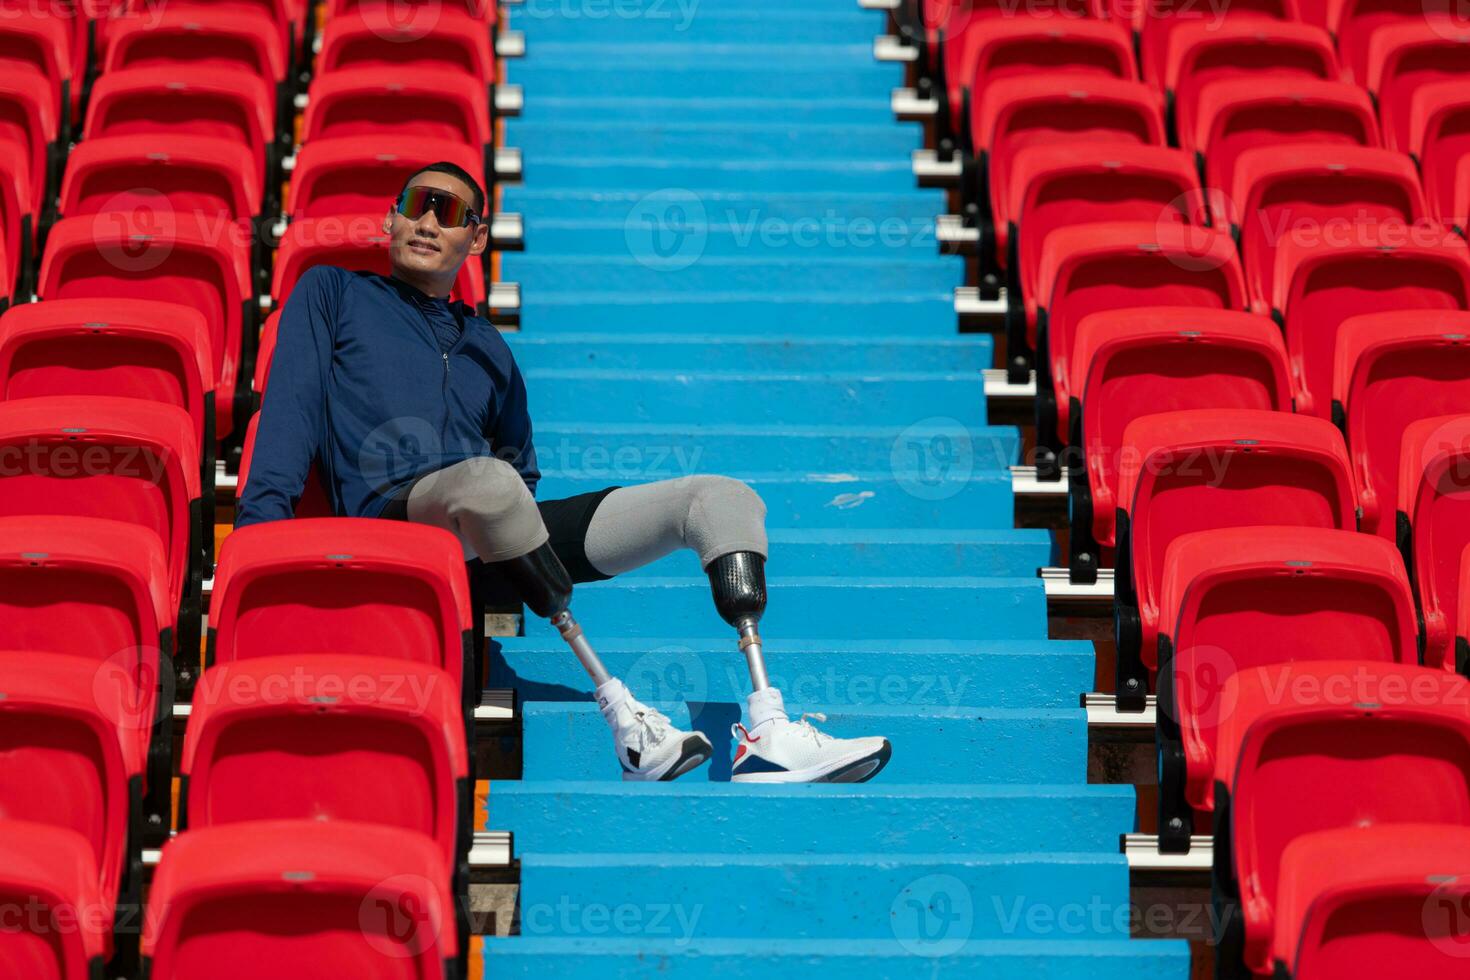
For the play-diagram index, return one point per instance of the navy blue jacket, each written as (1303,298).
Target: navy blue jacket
(361,384)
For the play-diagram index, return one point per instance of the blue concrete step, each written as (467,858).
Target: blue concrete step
(867,108)
(837,673)
(735,818)
(752,352)
(569,740)
(752,141)
(753,399)
(843,314)
(652,173)
(929,447)
(874,499)
(639,274)
(728,62)
(754,236)
(843,896)
(704,206)
(958,607)
(746,73)
(691,22)
(916,551)
(933,946)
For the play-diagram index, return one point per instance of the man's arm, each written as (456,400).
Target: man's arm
(290,428)
(510,435)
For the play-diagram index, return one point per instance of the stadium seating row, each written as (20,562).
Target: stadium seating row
(1237,261)
(325,766)
(374,731)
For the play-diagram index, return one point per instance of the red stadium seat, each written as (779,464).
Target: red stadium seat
(1439,135)
(1202,470)
(286,16)
(432,103)
(176,258)
(483,10)
(1355,22)
(7,285)
(1201,53)
(1302,196)
(1319,285)
(1400,59)
(995,48)
(349,585)
(97,589)
(28,121)
(1025,111)
(72,761)
(1391,370)
(18,222)
(356,242)
(198,175)
(1142,15)
(1059,186)
(314,500)
(330,737)
(159,352)
(1236,115)
(230,104)
(31,40)
(1089,269)
(264,356)
(296,900)
(117,458)
(1375,901)
(948,25)
(190,37)
(1434,524)
(1157,21)
(1244,597)
(363,38)
(50,870)
(1455,213)
(1331,745)
(1133,362)
(333,738)
(359,175)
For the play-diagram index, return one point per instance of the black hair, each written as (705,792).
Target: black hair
(458,173)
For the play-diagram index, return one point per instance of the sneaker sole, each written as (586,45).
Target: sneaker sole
(858,770)
(694,753)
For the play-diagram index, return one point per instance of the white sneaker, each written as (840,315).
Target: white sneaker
(778,750)
(649,748)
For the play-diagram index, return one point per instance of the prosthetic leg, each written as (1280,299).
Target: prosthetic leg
(738,581)
(648,747)
(546,588)
(783,751)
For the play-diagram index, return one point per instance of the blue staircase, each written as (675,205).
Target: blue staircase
(728,269)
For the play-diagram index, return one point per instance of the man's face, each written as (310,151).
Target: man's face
(423,251)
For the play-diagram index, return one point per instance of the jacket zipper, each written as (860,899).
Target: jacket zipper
(444,426)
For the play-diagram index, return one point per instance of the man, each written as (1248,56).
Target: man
(415,410)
